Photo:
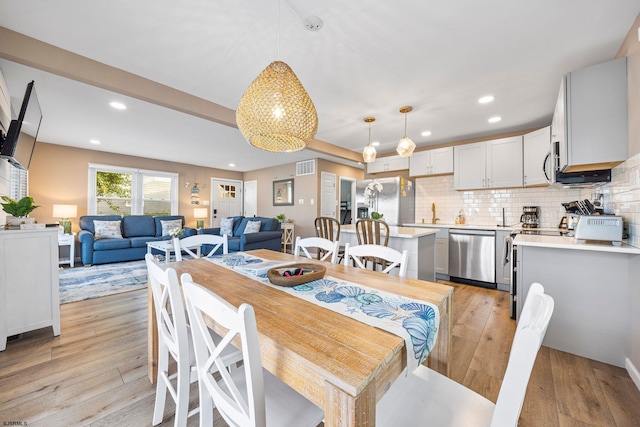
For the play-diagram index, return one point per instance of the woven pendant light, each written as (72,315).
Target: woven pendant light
(276,113)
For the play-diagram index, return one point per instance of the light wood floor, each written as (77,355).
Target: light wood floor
(95,372)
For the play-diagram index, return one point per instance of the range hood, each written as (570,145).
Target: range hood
(583,179)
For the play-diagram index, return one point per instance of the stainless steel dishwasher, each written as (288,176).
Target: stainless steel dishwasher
(472,257)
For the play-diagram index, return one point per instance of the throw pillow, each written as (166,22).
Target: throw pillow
(107,230)
(252,227)
(168,225)
(226,227)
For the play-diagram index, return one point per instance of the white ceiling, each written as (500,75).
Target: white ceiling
(370,58)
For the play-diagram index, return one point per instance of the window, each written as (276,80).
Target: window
(226,191)
(19,183)
(124,191)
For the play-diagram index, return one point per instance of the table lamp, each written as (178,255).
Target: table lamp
(200,214)
(64,212)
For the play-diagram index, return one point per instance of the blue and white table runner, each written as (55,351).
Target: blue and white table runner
(415,321)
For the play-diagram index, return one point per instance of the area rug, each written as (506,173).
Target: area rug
(81,283)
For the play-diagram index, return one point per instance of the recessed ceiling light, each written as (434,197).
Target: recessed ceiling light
(426,133)
(495,119)
(94,141)
(118,105)
(375,143)
(486,99)
(232,165)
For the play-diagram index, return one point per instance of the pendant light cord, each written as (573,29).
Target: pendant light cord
(278,30)
(405,125)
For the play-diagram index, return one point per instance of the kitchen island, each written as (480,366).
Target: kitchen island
(590,283)
(419,242)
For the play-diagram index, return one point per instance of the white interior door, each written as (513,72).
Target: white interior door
(328,194)
(226,199)
(250,198)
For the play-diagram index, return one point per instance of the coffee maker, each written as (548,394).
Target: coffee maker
(530,216)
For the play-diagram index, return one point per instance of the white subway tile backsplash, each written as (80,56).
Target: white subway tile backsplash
(484,207)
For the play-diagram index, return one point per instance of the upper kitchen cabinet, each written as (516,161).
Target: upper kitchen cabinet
(535,147)
(388,164)
(431,162)
(590,120)
(490,164)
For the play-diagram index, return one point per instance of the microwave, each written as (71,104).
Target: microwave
(551,168)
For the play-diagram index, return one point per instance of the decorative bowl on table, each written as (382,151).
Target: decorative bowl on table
(295,274)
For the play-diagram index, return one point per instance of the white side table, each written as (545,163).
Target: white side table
(68,240)
(287,236)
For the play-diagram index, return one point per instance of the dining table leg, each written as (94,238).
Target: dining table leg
(344,410)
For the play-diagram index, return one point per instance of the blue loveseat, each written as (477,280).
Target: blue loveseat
(269,236)
(135,230)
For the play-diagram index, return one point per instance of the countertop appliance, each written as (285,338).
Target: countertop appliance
(396,200)
(600,227)
(530,217)
(472,257)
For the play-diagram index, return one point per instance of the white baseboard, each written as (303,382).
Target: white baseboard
(633,372)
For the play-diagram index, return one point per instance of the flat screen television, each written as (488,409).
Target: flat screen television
(18,145)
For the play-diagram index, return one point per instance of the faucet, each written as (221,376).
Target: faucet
(433,213)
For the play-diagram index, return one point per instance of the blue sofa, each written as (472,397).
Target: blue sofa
(269,236)
(136,231)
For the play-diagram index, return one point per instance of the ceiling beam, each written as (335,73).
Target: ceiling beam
(17,47)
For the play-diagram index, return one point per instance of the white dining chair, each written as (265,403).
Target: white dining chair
(188,244)
(250,396)
(425,397)
(329,248)
(174,340)
(363,253)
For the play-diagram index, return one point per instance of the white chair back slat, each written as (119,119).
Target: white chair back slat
(425,394)
(239,395)
(192,245)
(360,254)
(329,248)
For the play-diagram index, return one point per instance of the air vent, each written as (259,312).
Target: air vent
(308,167)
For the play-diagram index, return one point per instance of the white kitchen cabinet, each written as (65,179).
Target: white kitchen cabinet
(503,271)
(388,164)
(590,119)
(489,164)
(438,161)
(29,287)
(535,147)
(442,251)
(591,291)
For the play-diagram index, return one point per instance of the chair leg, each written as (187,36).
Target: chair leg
(206,406)
(161,385)
(182,394)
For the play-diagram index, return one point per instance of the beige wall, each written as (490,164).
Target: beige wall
(306,192)
(59,174)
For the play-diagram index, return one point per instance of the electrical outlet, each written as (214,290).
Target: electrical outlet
(311,201)
(301,201)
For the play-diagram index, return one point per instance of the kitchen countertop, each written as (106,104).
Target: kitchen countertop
(563,242)
(394,231)
(466,226)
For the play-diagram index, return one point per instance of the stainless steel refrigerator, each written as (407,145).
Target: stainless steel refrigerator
(396,200)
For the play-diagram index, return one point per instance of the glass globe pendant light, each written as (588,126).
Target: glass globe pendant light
(405,145)
(369,152)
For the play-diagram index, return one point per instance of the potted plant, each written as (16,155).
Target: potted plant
(18,211)
(280,217)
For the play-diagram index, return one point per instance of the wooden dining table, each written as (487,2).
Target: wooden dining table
(342,365)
